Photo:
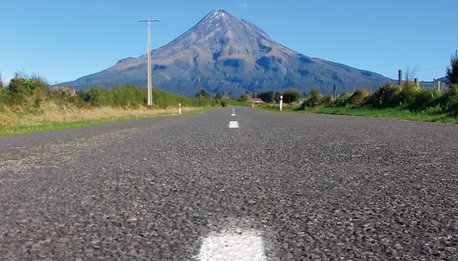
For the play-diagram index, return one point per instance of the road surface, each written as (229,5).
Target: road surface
(279,186)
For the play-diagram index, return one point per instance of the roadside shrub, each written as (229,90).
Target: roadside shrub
(245,97)
(326,101)
(358,99)
(450,101)
(433,110)
(77,101)
(267,96)
(27,92)
(423,99)
(409,93)
(99,96)
(452,72)
(342,100)
(313,100)
(291,95)
(127,96)
(387,96)
(163,99)
(4,96)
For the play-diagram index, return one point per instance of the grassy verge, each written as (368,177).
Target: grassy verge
(391,113)
(274,107)
(52,117)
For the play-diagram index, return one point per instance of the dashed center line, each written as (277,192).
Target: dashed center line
(228,245)
(233,125)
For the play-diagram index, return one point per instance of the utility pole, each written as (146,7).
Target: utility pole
(150,76)
(334,97)
(200,89)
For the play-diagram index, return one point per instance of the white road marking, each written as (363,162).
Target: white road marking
(233,125)
(247,245)
(233,112)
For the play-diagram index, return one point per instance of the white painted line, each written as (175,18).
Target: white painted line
(233,125)
(233,112)
(232,246)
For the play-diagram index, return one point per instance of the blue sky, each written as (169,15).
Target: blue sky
(64,40)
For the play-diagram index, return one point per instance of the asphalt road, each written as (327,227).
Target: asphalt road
(309,186)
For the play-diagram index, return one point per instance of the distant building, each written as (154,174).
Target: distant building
(256,100)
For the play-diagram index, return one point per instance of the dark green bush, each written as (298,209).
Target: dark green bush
(409,93)
(342,100)
(291,95)
(4,96)
(127,96)
(387,96)
(358,99)
(99,96)
(452,72)
(27,92)
(313,99)
(450,101)
(326,101)
(423,99)
(267,96)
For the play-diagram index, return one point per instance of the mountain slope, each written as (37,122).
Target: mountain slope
(222,53)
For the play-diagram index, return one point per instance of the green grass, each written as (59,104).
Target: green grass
(51,126)
(273,107)
(392,113)
(430,115)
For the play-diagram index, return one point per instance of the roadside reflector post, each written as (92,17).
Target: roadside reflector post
(281,102)
(179,108)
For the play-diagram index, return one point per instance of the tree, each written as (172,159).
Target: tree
(267,96)
(314,96)
(203,93)
(313,99)
(246,96)
(452,71)
(277,96)
(291,95)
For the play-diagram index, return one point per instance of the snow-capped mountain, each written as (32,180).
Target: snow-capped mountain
(222,53)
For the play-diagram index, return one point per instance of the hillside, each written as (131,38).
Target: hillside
(222,53)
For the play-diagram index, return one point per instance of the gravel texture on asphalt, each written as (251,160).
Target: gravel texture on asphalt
(316,187)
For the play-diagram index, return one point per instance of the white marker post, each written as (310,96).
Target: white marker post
(179,108)
(281,102)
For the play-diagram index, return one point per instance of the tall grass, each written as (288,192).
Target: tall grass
(28,93)
(30,104)
(407,101)
(408,97)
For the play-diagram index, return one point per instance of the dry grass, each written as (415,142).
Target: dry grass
(50,113)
